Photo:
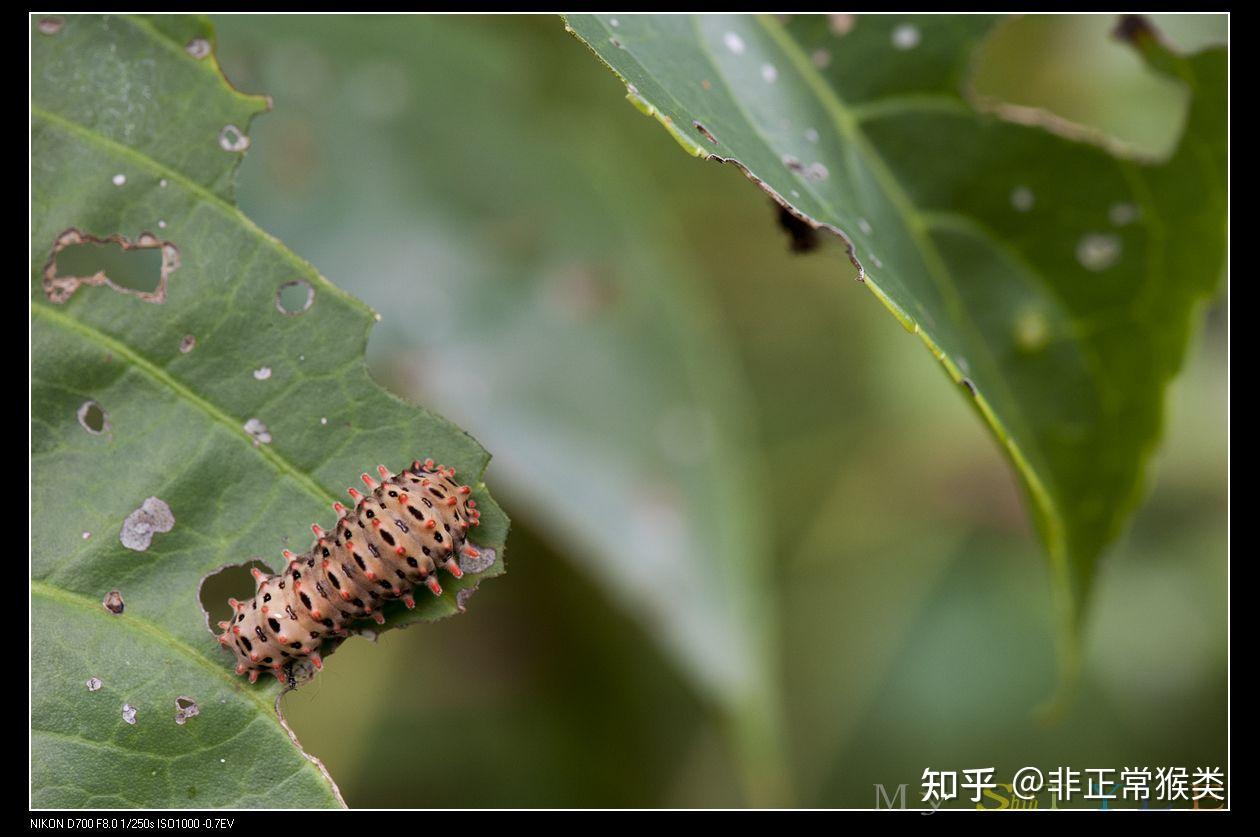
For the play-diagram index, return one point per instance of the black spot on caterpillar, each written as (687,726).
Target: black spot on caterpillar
(293,612)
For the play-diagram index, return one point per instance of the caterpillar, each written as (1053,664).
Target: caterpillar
(396,536)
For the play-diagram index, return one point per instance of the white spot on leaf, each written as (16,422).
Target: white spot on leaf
(769,74)
(198,48)
(734,43)
(232,138)
(94,684)
(262,373)
(259,431)
(1098,251)
(1031,330)
(1022,198)
(906,36)
(129,713)
(119,179)
(152,517)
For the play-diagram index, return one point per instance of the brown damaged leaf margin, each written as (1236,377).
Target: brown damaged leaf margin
(1136,31)
(696,150)
(319,765)
(59,289)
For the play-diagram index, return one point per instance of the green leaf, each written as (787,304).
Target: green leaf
(1056,280)
(129,115)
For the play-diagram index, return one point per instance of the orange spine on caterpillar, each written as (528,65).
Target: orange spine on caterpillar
(398,535)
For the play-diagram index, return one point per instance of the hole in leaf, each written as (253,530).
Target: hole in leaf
(93,419)
(295,297)
(185,708)
(234,581)
(140,268)
(135,269)
(113,602)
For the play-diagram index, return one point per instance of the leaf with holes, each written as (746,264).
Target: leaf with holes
(199,397)
(1055,279)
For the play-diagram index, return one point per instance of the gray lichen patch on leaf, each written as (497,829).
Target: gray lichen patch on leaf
(59,288)
(198,48)
(473,563)
(152,517)
(256,428)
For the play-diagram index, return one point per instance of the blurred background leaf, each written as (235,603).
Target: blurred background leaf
(1037,266)
(657,374)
